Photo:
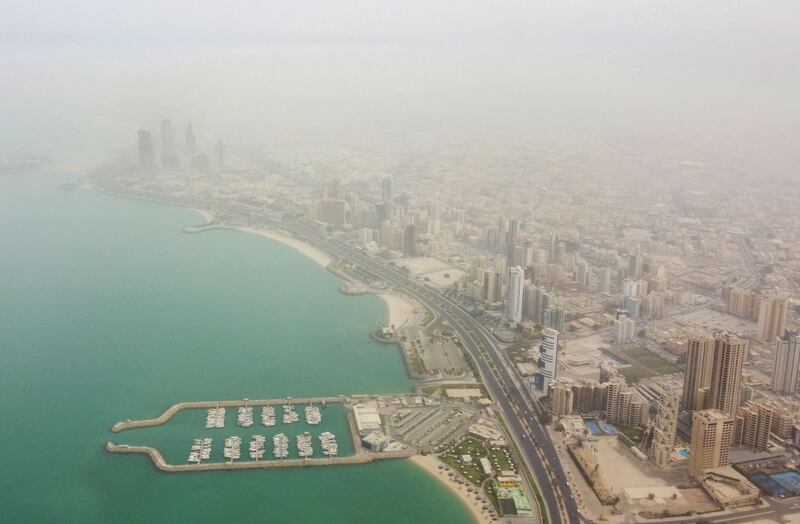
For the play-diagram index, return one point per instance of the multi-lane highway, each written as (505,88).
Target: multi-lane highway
(537,449)
(521,420)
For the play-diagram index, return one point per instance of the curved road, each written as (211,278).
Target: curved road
(525,426)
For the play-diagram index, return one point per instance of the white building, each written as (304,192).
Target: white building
(625,329)
(548,358)
(516,293)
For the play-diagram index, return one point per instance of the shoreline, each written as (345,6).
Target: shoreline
(430,465)
(312,252)
(399,309)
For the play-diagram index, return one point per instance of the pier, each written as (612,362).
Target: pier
(359,456)
(175,408)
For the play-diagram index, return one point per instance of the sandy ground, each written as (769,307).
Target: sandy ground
(308,250)
(431,464)
(208,216)
(401,309)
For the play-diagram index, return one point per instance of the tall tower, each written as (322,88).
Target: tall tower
(753,425)
(410,241)
(726,373)
(697,377)
(191,141)
(147,154)
(387,193)
(548,358)
(516,293)
(712,435)
(666,425)
(787,363)
(772,318)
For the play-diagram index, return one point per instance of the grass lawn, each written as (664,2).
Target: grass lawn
(651,361)
(636,373)
(635,434)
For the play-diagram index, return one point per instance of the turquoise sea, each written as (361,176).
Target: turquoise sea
(109,312)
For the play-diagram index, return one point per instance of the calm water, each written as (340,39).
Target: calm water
(108,312)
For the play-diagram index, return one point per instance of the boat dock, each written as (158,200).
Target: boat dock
(359,456)
(175,408)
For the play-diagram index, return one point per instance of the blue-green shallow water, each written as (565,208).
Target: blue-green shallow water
(108,312)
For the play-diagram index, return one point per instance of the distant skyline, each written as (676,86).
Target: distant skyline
(80,76)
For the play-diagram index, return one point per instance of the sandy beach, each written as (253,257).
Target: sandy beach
(208,216)
(401,309)
(431,464)
(317,255)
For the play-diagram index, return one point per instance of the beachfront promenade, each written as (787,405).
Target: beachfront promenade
(360,455)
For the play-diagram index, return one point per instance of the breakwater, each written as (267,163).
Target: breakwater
(360,455)
(175,408)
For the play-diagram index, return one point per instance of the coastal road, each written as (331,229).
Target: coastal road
(523,423)
(537,449)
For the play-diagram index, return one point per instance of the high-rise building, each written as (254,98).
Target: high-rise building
(169,159)
(604,285)
(633,306)
(387,194)
(516,292)
(741,302)
(772,318)
(147,154)
(582,275)
(753,426)
(562,396)
(662,443)
(219,153)
(625,405)
(787,363)
(554,317)
(548,358)
(726,373)
(191,141)
(491,287)
(410,241)
(713,376)
(712,436)
(635,263)
(625,329)
(653,305)
(697,377)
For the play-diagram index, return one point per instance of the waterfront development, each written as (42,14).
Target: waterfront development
(143,316)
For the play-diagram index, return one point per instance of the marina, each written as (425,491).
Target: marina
(300,453)
(304,445)
(289,414)
(233,448)
(201,450)
(244,416)
(313,415)
(215,418)
(327,442)
(268,416)
(280,443)
(257,447)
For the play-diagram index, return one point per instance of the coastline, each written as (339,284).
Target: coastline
(400,310)
(430,464)
(315,254)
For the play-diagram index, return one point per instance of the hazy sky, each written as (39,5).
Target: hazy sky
(79,78)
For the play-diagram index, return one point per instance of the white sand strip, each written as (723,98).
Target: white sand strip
(431,464)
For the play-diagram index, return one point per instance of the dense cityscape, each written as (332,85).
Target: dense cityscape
(400,262)
(638,344)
